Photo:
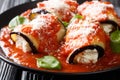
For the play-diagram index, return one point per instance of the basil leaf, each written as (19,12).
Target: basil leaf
(65,23)
(48,62)
(115,36)
(17,21)
(77,16)
(115,47)
(115,41)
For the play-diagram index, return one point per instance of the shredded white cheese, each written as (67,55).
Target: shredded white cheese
(38,23)
(94,10)
(22,44)
(82,29)
(56,4)
(78,32)
(88,56)
(58,7)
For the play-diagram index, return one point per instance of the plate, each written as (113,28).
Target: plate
(4,20)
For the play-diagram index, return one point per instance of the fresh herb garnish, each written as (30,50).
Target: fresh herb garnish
(115,41)
(65,23)
(48,62)
(77,16)
(17,21)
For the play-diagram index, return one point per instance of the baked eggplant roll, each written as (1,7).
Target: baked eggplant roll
(64,9)
(42,34)
(85,42)
(33,13)
(102,12)
(37,11)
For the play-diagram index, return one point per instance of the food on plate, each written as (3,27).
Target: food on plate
(64,36)
(34,35)
(48,62)
(64,9)
(115,41)
(100,11)
(85,41)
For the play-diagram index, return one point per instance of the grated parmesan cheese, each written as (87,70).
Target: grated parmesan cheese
(55,6)
(83,28)
(78,32)
(64,9)
(95,10)
(38,23)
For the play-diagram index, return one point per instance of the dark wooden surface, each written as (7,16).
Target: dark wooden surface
(6,4)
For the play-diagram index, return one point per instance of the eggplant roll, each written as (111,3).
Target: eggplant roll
(33,13)
(102,12)
(42,34)
(64,9)
(85,42)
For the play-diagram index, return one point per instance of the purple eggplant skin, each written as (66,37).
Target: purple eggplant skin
(79,50)
(116,26)
(40,11)
(43,11)
(33,48)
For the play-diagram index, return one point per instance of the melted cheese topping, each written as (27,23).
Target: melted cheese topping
(39,30)
(64,9)
(82,28)
(78,32)
(38,23)
(95,10)
(56,6)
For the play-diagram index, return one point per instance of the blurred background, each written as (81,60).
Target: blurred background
(6,4)
(116,4)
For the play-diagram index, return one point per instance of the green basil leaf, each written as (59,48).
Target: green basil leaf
(115,41)
(65,23)
(17,21)
(115,47)
(48,62)
(77,16)
(115,36)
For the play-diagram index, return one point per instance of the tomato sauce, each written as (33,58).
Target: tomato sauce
(28,59)
(109,60)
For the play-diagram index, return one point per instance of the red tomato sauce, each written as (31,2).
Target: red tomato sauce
(109,60)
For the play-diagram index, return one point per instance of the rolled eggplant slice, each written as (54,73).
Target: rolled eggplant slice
(101,11)
(21,39)
(109,26)
(37,11)
(85,41)
(43,34)
(87,54)
(49,22)
(33,13)
(60,8)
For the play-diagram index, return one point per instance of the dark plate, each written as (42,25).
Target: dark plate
(5,17)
